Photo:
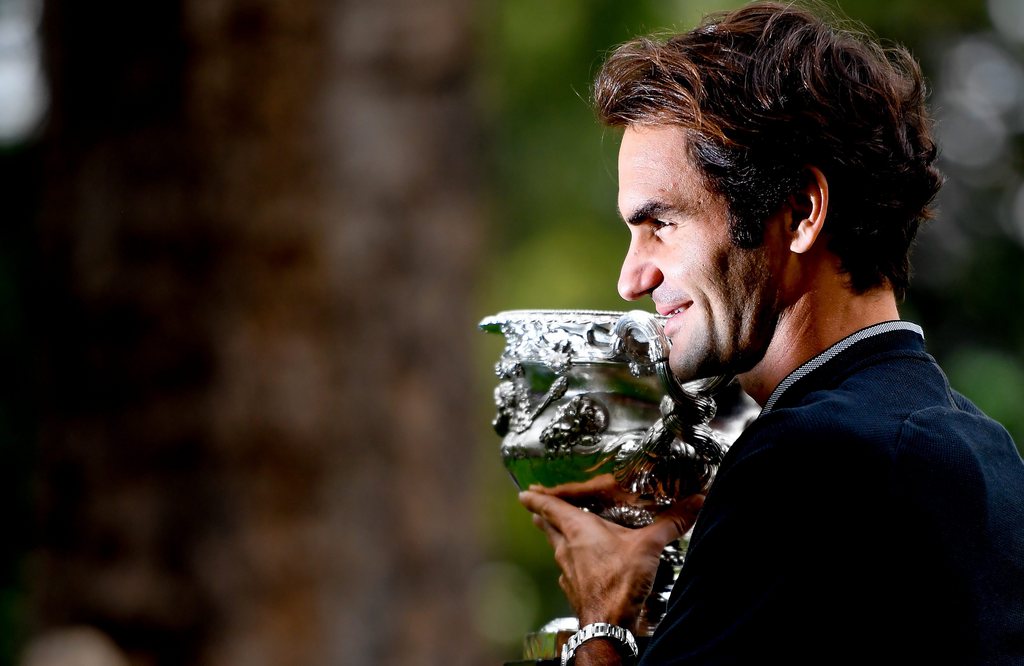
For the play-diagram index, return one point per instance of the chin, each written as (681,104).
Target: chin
(691,366)
(688,369)
(688,359)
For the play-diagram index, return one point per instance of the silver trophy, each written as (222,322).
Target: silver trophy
(587,405)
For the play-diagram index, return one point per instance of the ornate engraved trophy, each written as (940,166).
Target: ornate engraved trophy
(587,405)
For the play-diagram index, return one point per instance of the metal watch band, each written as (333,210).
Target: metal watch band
(598,630)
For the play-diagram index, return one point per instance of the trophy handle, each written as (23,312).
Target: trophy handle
(677,455)
(641,338)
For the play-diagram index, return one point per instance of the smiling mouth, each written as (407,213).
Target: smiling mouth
(674,311)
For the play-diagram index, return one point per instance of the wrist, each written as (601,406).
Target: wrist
(619,639)
(626,620)
(600,652)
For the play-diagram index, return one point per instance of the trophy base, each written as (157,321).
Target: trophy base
(545,644)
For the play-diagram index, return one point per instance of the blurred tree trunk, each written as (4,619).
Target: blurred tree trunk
(258,246)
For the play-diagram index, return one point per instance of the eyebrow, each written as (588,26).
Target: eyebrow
(649,210)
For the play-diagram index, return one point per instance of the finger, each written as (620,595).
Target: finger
(552,509)
(675,521)
(555,538)
(603,485)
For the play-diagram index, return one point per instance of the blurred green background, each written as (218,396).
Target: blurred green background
(557,241)
(551,239)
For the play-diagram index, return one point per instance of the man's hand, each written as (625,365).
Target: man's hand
(607,569)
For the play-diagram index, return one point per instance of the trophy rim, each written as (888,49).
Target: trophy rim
(494,322)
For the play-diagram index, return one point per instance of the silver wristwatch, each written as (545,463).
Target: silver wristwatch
(598,630)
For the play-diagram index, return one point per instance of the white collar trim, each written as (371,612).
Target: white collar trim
(833,351)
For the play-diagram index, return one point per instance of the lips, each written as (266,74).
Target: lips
(674,312)
(672,309)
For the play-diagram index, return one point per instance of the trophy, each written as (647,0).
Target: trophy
(587,406)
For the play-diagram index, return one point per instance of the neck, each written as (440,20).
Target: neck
(815,322)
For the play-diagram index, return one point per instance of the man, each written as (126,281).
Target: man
(773,172)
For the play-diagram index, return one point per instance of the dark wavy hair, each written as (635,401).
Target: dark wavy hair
(766,91)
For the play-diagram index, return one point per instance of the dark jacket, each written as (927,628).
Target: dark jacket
(869,515)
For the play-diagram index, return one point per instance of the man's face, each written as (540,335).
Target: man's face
(722,301)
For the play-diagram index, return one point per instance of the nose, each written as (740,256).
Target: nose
(639,276)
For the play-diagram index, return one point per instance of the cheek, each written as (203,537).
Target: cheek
(723,278)
(739,281)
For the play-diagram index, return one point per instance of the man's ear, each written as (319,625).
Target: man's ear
(809,206)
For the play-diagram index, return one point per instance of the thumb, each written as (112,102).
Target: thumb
(676,520)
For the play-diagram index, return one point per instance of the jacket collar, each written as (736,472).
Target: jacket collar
(835,357)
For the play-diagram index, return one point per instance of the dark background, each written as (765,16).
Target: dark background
(244,248)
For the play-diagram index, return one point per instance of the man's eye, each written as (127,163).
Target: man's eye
(659,224)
